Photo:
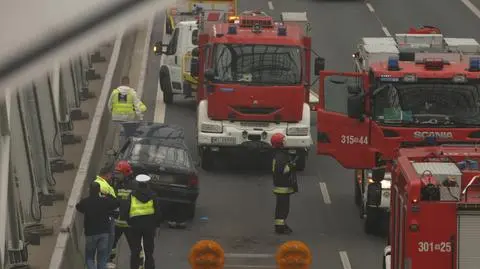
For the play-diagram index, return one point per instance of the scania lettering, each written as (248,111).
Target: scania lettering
(443,135)
(254,81)
(404,89)
(434,220)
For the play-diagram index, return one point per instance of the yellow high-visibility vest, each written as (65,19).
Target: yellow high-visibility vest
(105,187)
(137,208)
(122,107)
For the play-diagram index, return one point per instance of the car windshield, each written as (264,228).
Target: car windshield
(159,154)
(427,104)
(258,64)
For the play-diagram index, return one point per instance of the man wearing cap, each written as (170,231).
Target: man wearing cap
(144,217)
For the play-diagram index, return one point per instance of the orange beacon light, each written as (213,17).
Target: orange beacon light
(206,254)
(294,254)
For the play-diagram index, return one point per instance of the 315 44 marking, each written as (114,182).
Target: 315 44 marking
(351,139)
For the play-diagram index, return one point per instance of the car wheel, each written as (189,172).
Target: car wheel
(190,211)
(166,88)
(372,221)
(301,162)
(358,193)
(207,160)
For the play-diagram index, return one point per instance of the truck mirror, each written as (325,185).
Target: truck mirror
(194,65)
(195,52)
(319,65)
(355,106)
(378,174)
(354,90)
(158,48)
(209,74)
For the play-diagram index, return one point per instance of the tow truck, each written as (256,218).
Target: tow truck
(254,81)
(404,88)
(182,26)
(435,219)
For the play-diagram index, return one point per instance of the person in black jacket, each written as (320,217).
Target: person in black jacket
(97,212)
(144,217)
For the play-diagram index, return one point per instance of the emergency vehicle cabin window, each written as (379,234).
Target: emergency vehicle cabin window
(195,37)
(336,92)
(424,103)
(260,64)
(172,46)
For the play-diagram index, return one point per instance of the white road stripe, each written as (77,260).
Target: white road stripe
(345,261)
(270,5)
(385,30)
(324,191)
(145,54)
(249,256)
(472,7)
(370,7)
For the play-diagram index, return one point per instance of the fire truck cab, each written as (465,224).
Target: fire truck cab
(254,81)
(435,199)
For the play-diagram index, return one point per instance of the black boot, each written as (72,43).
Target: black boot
(282,229)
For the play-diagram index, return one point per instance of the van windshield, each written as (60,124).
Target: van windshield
(258,64)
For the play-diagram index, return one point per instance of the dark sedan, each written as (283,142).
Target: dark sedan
(159,150)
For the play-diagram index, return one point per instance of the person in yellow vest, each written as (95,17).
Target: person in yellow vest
(106,189)
(124,103)
(144,218)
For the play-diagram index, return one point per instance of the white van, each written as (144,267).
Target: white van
(184,39)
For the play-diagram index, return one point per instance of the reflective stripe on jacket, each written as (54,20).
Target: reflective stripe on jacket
(137,208)
(122,194)
(105,187)
(281,173)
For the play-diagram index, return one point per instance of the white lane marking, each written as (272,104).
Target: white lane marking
(370,7)
(472,7)
(248,255)
(324,191)
(145,54)
(159,116)
(270,5)
(385,30)
(241,266)
(345,261)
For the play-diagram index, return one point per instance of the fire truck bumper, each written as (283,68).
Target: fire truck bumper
(232,137)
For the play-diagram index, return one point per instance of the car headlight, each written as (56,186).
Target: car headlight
(459,79)
(298,131)
(211,128)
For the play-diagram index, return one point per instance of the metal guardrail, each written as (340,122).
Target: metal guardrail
(69,248)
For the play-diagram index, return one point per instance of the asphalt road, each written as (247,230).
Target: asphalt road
(236,206)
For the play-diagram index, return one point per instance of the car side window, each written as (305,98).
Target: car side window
(123,150)
(172,46)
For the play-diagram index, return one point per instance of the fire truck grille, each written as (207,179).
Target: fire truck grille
(255,110)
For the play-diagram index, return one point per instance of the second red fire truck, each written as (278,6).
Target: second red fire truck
(254,81)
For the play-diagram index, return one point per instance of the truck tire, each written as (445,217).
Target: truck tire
(372,221)
(301,162)
(358,193)
(166,88)
(207,160)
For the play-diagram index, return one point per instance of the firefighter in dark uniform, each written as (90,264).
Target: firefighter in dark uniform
(123,184)
(284,181)
(144,217)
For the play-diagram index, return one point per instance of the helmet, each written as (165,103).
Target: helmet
(277,140)
(124,168)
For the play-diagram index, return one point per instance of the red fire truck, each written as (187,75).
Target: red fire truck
(404,88)
(254,81)
(435,219)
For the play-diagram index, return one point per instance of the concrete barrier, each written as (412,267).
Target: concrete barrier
(69,249)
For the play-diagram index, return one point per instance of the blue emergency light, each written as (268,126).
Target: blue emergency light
(393,63)
(282,30)
(474,64)
(232,30)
